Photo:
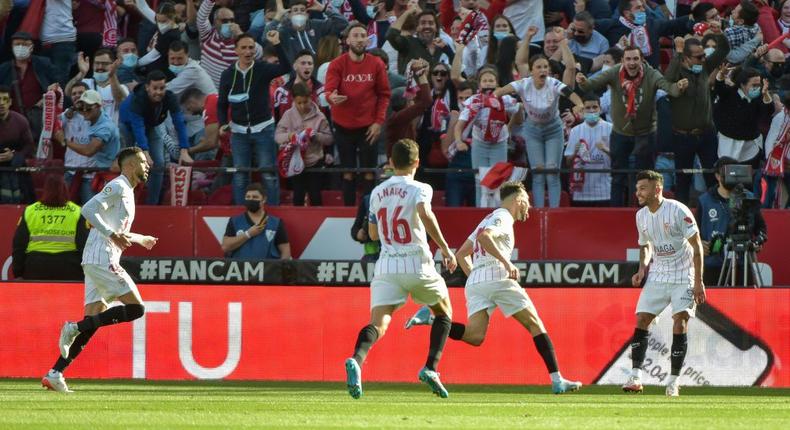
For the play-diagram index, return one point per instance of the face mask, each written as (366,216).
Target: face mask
(101,76)
(224,31)
(22,52)
(754,93)
(371,10)
(238,98)
(640,18)
(696,68)
(499,35)
(731,22)
(129,60)
(163,27)
(252,205)
(176,69)
(709,51)
(592,117)
(299,20)
(338,3)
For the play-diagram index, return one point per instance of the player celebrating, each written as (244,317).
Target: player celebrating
(675,276)
(492,281)
(111,212)
(400,216)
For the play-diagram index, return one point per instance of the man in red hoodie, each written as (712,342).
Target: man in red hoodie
(359,93)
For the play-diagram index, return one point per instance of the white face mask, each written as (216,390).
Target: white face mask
(22,52)
(298,20)
(163,27)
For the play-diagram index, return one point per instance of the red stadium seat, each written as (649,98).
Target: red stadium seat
(222,196)
(331,198)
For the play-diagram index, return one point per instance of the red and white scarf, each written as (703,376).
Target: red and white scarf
(638,37)
(581,156)
(290,159)
(180,184)
(53,107)
(775,165)
(440,114)
(411,84)
(474,23)
(110,28)
(497,116)
(630,86)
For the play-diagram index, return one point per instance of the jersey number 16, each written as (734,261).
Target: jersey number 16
(400,233)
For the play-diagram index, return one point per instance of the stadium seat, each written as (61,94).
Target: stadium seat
(195,198)
(332,198)
(222,196)
(286,198)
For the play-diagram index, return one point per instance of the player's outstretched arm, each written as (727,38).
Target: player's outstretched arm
(432,228)
(487,243)
(699,288)
(462,257)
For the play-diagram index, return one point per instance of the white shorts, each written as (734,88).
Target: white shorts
(656,296)
(394,288)
(105,284)
(507,294)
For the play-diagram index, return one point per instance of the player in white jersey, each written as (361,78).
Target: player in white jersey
(400,216)
(669,235)
(492,281)
(111,213)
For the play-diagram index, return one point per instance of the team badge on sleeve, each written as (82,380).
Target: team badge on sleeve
(107,190)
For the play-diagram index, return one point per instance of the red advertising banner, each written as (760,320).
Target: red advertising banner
(305,333)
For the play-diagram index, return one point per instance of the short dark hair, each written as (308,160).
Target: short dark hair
(243,36)
(616,54)
(591,97)
(700,10)
(433,15)
(690,43)
(718,166)
(749,12)
(178,46)
(105,51)
(304,52)
(465,85)
(509,188)
(189,94)
(586,17)
(404,153)
(5,89)
(300,90)
(269,51)
(155,75)
(76,84)
(128,152)
(353,25)
(633,48)
(127,40)
(534,59)
(743,75)
(256,186)
(623,6)
(650,175)
(490,69)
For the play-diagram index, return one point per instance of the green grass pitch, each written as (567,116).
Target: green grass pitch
(107,405)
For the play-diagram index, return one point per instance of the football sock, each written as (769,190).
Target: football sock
(113,315)
(679,347)
(638,347)
(439,331)
(546,351)
(79,344)
(365,340)
(457,331)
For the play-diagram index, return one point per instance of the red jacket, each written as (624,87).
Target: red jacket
(365,84)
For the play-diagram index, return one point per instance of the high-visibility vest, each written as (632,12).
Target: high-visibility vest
(52,229)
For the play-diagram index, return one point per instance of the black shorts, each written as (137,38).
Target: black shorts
(354,149)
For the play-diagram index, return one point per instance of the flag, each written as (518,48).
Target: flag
(493,177)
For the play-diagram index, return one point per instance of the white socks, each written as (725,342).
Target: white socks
(636,373)
(555,377)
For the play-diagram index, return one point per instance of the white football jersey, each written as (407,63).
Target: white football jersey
(404,243)
(114,208)
(597,186)
(667,231)
(486,268)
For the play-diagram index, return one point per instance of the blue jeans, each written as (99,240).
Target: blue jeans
(666,161)
(62,55)
(262,144)
(685,147)
(156,149)
(544,150)
(642,148)
(486,155)
(459,189)
(85,191)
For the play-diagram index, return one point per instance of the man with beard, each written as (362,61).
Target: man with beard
(424,44)
(358,92)
(633,85)
(104,81)
(303,67)
(585,41)
(255,234)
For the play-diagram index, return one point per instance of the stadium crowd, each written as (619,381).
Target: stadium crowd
(569,88)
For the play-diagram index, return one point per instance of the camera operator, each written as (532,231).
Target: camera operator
(718,208)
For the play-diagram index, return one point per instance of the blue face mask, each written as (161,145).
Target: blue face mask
(225,32)
(499,35)
(176,69)
(709,51)
(129,60)
(371,10)
(754,93)
(101,76)
(696,68)
(592,117)
(640,18)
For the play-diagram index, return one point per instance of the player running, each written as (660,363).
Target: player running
(400,216)
(111,213)
(492,281)
(668,233)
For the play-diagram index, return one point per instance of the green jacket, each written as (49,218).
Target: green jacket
(645,120)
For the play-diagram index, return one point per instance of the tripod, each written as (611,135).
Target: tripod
(728,275)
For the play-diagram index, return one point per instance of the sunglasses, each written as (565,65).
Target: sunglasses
(439,73)
(84,108)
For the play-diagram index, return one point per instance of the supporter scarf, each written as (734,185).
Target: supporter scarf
(53,107)
(290,159)
(439,115)
(180,184)
(638,37)
(630,86)
(579,158)
(110,28)
(497,117)
(474,23)
(411,84)
(493,177)
(775,165)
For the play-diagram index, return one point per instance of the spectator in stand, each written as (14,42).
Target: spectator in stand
(586,41)
(359,93)
(328,49)
(770,63)
(187,73)
(633,86)
(50,236)
(244,90)
(298,31)
(485,49)
(396,80)
(127,74)
(167,31)
(28,77)
(588,148)
(635,28)
(459,186)
(777,167)
(303,67)
(435,122)
(599,9)
(425,42)
(743,30)
(524,14)
(76,128)
(104,80)
(376,17)
(693,132)
(89,20)
(255,234)
(783,23)
(59,37)
(305,114)
(193,103)
(140,115)
(407,106)
(16,144)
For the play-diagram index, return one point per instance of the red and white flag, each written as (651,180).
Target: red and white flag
(110,28)
(290,159)
(53,107)
(493,177)
(180,184)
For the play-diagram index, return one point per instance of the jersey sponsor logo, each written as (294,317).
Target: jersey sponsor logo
(392,192)
(665,250)
(713,214)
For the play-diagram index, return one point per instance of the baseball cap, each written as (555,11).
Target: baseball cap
(91,97)
(21,35)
